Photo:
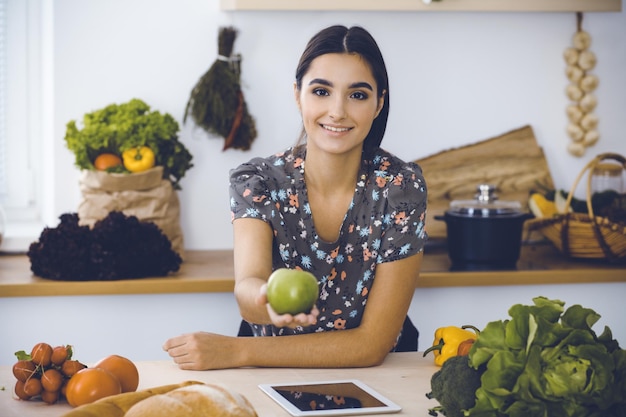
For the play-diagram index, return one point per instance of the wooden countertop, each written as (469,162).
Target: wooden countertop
(212,271)
(404,378)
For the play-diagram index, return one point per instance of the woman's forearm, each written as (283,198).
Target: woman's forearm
(253,266)
(334,349)
(247,292)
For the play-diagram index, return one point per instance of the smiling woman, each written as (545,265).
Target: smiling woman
(335,205)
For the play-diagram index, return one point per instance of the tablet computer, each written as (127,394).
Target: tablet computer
(329,398)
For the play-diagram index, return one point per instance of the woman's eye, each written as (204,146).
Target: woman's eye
(320,92)
(359,95)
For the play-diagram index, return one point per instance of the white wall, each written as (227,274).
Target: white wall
(136,326)
(456,78)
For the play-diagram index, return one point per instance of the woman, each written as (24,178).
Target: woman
(336,205)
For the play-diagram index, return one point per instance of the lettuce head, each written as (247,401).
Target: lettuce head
(548,362)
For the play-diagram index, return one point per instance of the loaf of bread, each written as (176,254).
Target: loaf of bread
(203,400)
(118,405)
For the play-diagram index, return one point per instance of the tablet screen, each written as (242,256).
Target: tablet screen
(329,398)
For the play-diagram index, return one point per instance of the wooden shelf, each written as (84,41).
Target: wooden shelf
(420,6)
(212,271)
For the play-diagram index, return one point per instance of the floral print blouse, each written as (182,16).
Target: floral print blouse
(384,222)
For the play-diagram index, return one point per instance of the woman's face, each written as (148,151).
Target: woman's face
(338,102)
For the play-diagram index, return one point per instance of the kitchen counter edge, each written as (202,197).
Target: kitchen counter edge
(211,271)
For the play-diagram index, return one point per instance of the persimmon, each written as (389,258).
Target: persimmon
(105,161)
(91,384)
(123,368)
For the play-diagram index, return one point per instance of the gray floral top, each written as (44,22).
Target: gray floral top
(385,222)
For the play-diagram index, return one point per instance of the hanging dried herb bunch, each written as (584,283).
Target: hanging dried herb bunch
(217,104)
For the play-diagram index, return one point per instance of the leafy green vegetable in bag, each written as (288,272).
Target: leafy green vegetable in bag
(118,127)
(548,362)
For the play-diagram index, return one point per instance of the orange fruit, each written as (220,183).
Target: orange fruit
(292,291)
(91,384)
(124,370)
(105,161)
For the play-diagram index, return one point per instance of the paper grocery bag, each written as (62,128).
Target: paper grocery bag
(145,195)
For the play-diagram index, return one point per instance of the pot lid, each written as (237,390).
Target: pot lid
(485,204)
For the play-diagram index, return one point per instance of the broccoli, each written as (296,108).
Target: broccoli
(454,386)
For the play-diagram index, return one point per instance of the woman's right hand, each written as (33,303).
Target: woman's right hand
(287,320)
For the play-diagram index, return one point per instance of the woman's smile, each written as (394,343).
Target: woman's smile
(336,129)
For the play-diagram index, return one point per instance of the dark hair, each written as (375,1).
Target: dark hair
(355,40)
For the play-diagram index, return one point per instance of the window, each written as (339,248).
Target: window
(20,101)
(3,48)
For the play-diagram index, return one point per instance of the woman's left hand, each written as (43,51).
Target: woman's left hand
(202,350)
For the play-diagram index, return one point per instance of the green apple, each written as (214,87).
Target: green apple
(292,291)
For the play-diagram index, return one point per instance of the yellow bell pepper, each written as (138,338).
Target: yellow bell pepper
(541,207)
(447,341)
(138,159)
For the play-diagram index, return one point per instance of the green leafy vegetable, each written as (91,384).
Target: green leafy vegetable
(22,355)
(118,127)
(547,362)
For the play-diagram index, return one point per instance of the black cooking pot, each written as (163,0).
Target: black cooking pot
(484,233)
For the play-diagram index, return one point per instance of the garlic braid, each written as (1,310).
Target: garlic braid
(583,122)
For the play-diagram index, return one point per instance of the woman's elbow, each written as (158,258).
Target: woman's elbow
(377,359)
(373,359)
(374,354)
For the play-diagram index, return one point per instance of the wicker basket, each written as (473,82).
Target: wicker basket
(580,235)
